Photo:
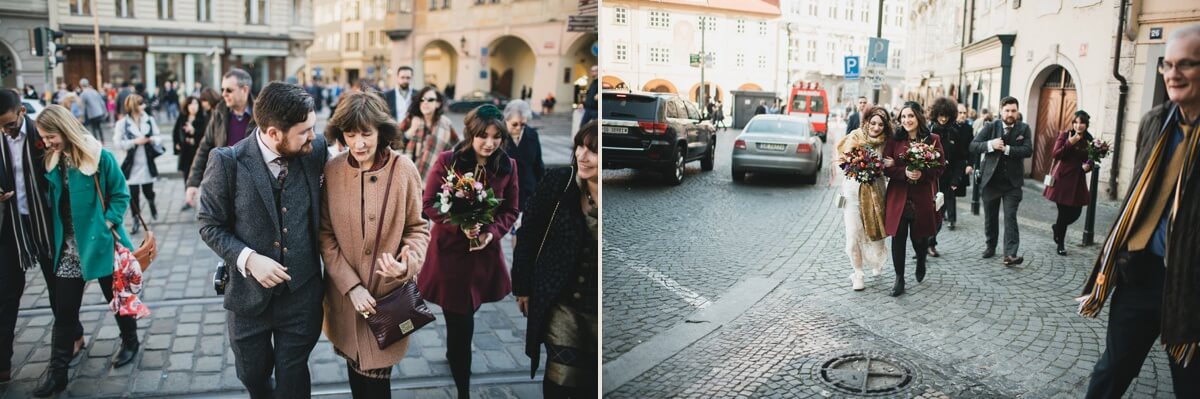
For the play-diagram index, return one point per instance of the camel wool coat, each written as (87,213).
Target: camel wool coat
(347,238)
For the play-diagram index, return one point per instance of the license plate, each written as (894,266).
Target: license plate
(772,146)
(615,130)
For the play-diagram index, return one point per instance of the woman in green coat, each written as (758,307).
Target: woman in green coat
(84,230)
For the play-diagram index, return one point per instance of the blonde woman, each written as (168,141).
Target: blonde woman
(360,182)
(863,208)
(75,163)
(137,134)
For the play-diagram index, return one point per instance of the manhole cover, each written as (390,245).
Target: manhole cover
(865,374)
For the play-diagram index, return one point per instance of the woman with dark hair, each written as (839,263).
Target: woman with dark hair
(365,179)
(863,209)
(910,193)
(1070,190)
(189,126)
(209,99)
(427,130)
(555,273)
(456,276)
(943,115)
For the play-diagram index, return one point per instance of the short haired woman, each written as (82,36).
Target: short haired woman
(137,134)
(366,181)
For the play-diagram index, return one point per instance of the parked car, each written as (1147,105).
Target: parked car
(777,144)
(477,98)
(655,131)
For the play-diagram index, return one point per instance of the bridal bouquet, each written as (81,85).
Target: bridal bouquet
(922,156)
(862,165)
(1097,150)
(467,201)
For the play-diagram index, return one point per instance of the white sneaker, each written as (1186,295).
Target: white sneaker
(856,281)
(876,271)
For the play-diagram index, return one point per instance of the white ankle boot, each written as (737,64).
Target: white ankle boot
(856,281)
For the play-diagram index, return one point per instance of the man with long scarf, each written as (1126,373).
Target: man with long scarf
(1148,263)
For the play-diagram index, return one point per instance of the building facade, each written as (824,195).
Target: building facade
(184,41)
(351,38)
(650,46)
(502,47)
(821,33)
(1039,53)
(18,66)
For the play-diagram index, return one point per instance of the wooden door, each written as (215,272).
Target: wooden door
(1056,109)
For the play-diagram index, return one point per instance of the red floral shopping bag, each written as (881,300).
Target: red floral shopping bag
(127,283)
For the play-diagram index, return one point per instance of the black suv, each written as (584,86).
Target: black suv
(655,131)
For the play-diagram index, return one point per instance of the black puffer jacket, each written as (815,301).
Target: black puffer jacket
(563,240)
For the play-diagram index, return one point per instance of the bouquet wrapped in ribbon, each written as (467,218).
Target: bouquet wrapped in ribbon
(922,156)
(467,201)
(862,165)
(1097,150)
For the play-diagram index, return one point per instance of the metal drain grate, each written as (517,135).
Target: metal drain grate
(865,374)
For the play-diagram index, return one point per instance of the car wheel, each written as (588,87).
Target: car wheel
(706,163)
(739,175)
(674,174)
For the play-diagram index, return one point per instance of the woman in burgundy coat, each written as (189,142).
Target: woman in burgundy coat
(457,277)
(1070,190)
(910,209)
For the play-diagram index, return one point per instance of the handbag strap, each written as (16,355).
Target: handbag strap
(137,213)
(379,228)
(552,215)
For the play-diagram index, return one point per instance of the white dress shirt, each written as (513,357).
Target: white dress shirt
(991,143)
(403,100)
(17,148)
(269,156)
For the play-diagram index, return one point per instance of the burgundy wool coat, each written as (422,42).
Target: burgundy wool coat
(898,190)
(1070,185)
(456,279)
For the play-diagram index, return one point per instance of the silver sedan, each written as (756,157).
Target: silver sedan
(777,144)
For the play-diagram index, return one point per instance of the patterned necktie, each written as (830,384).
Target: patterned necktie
(283,168)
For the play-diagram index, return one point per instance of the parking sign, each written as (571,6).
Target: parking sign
(878,51)
(852,67)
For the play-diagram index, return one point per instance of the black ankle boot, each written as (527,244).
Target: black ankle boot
(56,376)
(920,269)
(898,288)
(153,211)
(129,350)
(1060,239)
(136,227)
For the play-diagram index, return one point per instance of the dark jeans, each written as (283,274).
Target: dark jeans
(95,126)
(1134,321)
(135,200)
(920,245)
(12,286)
(459,329)
(69,293)
(1066,216)
(949,214)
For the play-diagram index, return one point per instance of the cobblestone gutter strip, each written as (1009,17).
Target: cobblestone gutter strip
(772,351)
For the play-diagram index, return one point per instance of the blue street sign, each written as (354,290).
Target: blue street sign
(596,49)
(877,53)
(483,74)
(852,67)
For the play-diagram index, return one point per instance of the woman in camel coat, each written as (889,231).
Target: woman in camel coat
(356,183)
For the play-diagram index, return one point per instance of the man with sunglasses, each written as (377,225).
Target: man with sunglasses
(26,225)
(231,122)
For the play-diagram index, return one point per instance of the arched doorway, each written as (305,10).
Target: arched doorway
(659,86)
(439,65)
(750,87)
(1055,110)
(581,57)
(512,65)
(713,91)
(613,82)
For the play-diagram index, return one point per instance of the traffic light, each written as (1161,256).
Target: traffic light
(54,47)
(37,41)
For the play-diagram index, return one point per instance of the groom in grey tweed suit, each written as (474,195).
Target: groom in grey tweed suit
(259,210)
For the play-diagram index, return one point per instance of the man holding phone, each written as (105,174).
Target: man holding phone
(26,228)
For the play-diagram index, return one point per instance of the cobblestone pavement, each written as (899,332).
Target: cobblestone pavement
(184,346)
(973,328)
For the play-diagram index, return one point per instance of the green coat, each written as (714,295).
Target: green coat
(92,237)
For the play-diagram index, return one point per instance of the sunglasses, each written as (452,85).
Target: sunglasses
(429,100)
(228,90)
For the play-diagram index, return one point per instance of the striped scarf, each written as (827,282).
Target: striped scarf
(33,240)
(1102,282)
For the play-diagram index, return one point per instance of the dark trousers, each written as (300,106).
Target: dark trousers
(135,200)
(459,329)
(95,126)
(12,286)
(588,116)
(69,293)
(1134,321)
(919,245)
(1066,215)
(948,212)
(279,340)
(363,387)
(1011,198)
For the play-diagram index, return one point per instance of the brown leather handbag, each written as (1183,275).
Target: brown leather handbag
(402,311)
(148,250)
